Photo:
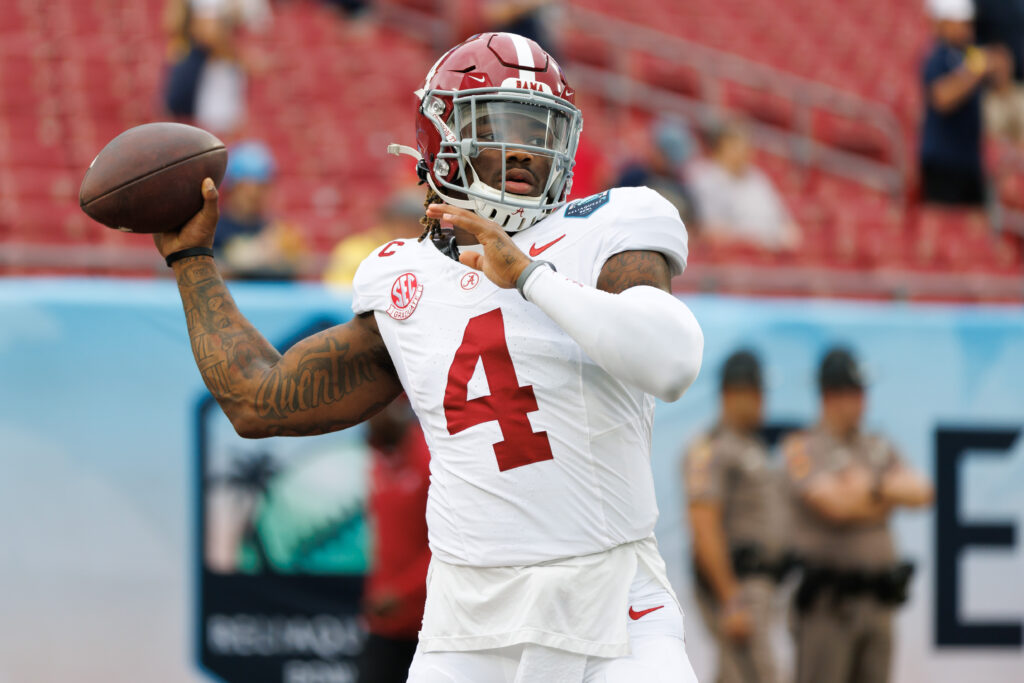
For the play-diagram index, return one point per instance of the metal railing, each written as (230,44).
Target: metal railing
(715,68)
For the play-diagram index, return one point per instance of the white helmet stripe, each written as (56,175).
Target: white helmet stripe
(524,55)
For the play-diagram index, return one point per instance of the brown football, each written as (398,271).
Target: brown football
(149,178)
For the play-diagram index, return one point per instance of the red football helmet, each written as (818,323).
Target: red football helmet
(497,129)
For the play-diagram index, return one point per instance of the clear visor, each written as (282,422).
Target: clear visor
(515,124)
(517,148)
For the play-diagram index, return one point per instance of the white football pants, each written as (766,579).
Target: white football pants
(656,640)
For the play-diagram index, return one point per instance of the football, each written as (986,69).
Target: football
(148,178)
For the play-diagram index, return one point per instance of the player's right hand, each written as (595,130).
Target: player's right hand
(199,230)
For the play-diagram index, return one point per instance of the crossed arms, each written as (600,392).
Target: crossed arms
(856,495)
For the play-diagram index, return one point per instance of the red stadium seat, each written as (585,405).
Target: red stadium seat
(73,74)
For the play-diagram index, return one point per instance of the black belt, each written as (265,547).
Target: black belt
(888,586)
(750,560)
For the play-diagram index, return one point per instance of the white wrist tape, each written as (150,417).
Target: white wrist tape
(644,336)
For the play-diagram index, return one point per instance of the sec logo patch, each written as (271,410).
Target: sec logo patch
(405,296)
(469,281)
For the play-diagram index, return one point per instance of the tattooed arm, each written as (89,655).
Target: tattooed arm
(630,324)
(632,269)
(329,381)
(326,382)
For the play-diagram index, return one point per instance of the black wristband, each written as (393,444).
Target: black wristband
(185,253)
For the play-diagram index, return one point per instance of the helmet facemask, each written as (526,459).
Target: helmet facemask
(503,140)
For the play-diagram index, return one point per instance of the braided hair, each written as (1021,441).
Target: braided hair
(431,226)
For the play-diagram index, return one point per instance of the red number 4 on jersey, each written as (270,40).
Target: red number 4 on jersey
(508,403)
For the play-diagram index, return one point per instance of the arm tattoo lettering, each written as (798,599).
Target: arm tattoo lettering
(222,341)
(252,381)
(633,268)
(326,426)
(324,374)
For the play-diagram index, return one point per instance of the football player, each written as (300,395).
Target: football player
(532,336)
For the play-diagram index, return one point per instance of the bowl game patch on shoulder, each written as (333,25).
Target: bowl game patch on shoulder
(583,208)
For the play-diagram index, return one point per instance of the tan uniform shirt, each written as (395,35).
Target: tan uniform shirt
(855,545)
(732,468)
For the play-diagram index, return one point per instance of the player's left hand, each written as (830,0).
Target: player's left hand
(502,261)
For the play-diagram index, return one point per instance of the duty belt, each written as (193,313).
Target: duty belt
(751,560)
(888,586)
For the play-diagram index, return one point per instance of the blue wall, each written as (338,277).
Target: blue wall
(97,495)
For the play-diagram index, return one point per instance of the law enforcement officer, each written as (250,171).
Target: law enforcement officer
(735,512)
(844,484)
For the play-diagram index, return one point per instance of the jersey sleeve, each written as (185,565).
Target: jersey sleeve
(370,285)
(642,220)
(704,472)
(363,296)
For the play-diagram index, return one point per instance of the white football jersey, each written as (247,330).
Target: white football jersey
(536,452)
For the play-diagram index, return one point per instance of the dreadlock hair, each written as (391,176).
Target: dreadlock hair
(431,226)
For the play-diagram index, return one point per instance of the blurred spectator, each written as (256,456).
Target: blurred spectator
(351,9)
(736,512)
(206,81)
(955,73)
(844,485)
(186,61)
(397,586)
(249,243)
(1001,22)
(672,147)
(528,18)
(1004,103)
(737,202)
(400,218)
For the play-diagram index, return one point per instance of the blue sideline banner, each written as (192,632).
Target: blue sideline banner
(143,540)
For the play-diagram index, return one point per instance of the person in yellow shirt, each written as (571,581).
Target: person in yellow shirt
(399,218)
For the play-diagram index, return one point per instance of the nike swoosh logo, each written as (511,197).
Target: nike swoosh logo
(536,251)
(479,79)
(634,615)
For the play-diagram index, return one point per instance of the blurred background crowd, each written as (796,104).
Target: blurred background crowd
(814,147)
